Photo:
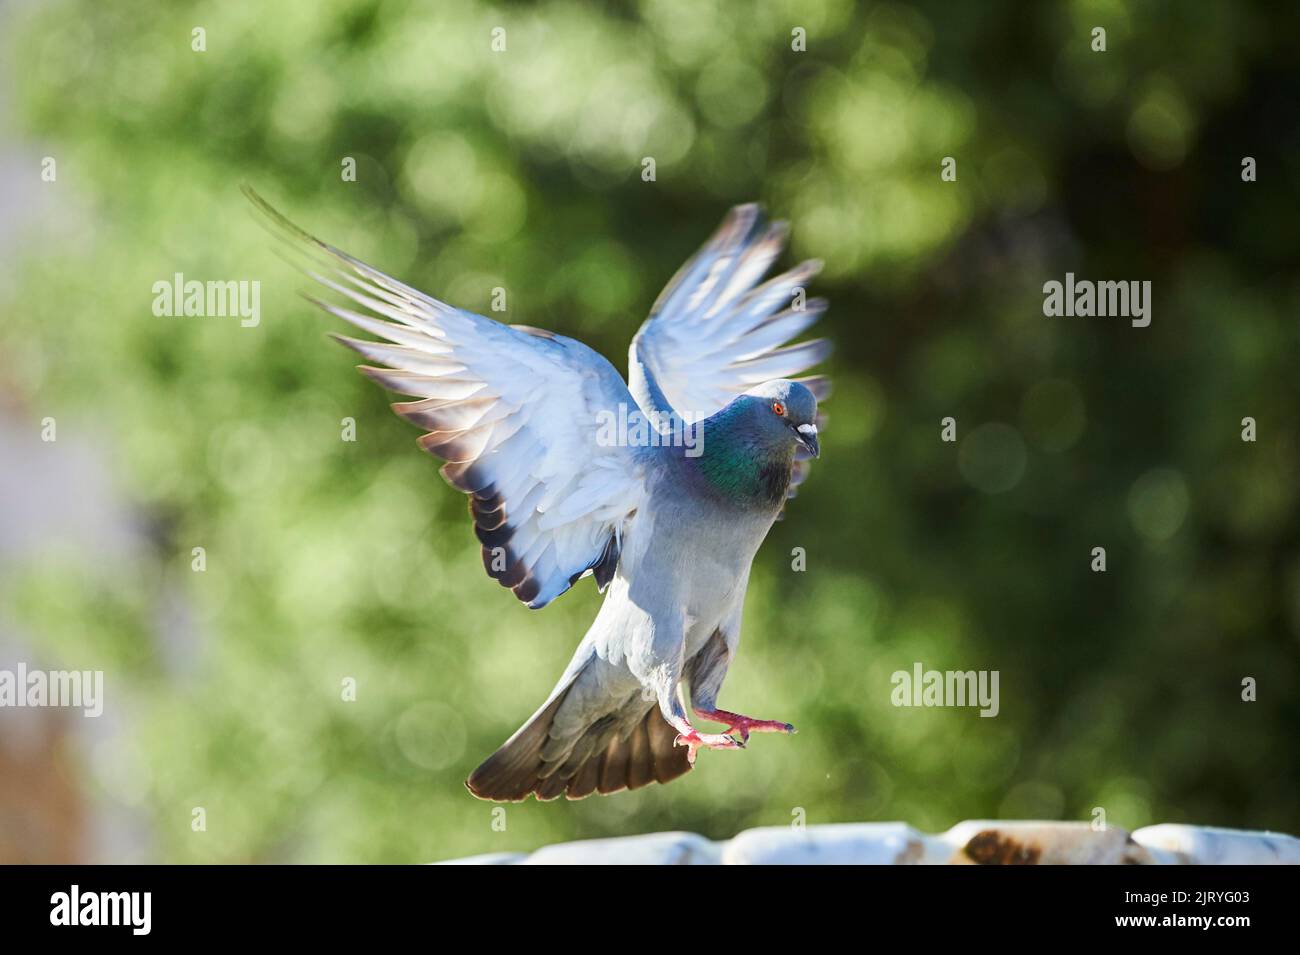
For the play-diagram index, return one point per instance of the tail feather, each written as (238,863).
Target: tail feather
(613,769)
(623,750)
(586,780)
(640,759)
(511,773)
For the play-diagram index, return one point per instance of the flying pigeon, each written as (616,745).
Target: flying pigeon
(662,488)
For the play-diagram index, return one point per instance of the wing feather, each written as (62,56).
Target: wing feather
(515,413)
(715,332)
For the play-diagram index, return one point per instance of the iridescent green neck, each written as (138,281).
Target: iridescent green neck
(739,466)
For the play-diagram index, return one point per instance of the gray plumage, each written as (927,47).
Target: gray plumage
(571,472)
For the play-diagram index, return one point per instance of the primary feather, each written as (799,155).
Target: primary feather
(714,332)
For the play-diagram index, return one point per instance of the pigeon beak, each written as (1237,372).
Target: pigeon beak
(808,438)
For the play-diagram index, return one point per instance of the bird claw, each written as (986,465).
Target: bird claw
(744,725)
(695,740)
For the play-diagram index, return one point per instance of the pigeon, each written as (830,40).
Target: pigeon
(662,487)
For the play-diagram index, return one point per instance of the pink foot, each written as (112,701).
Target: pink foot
(744,725)
(694,740)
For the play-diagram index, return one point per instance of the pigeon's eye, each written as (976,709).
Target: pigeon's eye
(778,409)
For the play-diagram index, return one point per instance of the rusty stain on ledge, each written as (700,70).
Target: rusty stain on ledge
(990,847)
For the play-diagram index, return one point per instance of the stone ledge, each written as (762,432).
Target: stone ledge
(976,842)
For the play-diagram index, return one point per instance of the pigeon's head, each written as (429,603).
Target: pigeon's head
(787,411)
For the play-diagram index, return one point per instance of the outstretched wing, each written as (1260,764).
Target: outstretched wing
(715,332)
(524,420)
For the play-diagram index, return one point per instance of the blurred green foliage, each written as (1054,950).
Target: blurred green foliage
(521,169)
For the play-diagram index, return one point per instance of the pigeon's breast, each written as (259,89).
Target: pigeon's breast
(700,553)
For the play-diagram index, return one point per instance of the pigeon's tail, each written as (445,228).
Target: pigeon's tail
(627,749)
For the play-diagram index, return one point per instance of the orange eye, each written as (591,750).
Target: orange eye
(778,409)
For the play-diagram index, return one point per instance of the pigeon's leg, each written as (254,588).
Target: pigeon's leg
(658,667)
(689,736)
(707,671)
(693,740)
(744,725)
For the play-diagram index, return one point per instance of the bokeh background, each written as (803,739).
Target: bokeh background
(522,169)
